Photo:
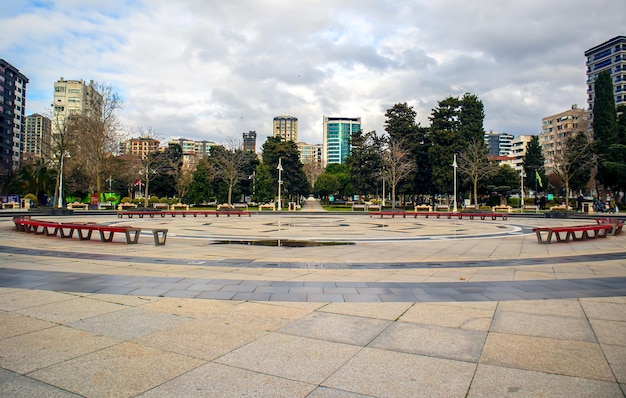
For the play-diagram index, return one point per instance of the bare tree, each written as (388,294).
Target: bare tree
(100,135)
(231,162)
(312,170)
(62,145)
(397,164)
(574,160)
(474,164)
(184,175)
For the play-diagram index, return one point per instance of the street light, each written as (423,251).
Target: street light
(455,165)
(521,192)
(280,181)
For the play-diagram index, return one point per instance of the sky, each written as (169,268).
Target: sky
(213,69)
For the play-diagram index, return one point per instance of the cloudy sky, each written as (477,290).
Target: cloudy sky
(212,69)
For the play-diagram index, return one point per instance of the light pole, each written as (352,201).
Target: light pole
(521,192)
(280,181)
(60,201)
(454,165)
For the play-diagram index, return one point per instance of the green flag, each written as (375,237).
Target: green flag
(538,178)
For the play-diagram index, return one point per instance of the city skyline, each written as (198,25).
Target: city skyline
(214,71)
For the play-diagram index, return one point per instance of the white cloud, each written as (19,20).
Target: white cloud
(212,70)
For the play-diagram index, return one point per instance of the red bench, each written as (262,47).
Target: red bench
(579,232)
(616,223)
(438,214)
(85,231)
(183,213)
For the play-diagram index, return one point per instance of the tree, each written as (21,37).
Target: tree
(533,164)
(232,164)
(63,143)
(474,164)
(397,165)
(574,160)
(364,164)
(99,136)
(605,126)
(199,188)
(327,184)
(294,179)
(183,177)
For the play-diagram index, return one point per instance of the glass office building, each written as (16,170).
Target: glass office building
(337,133)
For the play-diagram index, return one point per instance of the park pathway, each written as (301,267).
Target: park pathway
(312,204)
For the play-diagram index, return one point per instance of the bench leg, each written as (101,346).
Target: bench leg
(84,237)
(540,237)
(160,235)
(69,234)
(106,237)
(132,235)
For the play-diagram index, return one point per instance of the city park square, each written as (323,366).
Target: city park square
(312,304)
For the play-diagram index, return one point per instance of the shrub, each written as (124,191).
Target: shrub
(126,199)
(153,199)
(138,201)
(30,196)
(172,201)
(163,200)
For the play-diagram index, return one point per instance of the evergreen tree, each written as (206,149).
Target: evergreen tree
(200,189)
(364,164)
(605,127)
(534,166)
(294,179)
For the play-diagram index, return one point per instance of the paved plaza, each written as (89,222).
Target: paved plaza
(313,304)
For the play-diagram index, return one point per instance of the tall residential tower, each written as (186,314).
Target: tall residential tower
(12,115)
(337,134)
(286,127)
(611,56)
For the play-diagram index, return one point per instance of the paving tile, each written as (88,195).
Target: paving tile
(604,310)
(127,324)
(28,352)
(564,357)
(189,308)
(124,370)
(381,373)
(609,332)
(325,392)
(616,355)
(435,341)
(216,380)
(70,310)
(552,326)
(16,385)
(337,328)
(442,314)
(30,298)
(291,357)
(495,381)
(12,324)
(569,308)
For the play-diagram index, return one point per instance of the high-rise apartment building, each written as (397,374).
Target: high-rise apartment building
(337,133)
(12,115)
(286,127)
(499,144)
(73,97)
(38,136)
(249,141)
(557,128)
(611,56)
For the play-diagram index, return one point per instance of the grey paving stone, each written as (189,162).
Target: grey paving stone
(336,328)
(16,385)
(433,341)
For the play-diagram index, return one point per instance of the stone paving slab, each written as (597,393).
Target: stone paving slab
(82,318)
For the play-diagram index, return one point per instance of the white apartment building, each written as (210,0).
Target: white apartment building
(557,128)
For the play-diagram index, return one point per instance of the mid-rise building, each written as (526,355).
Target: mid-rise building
(499,144)
(198,149)
(557,128)
(286,127)
(337,133)
(518,151)
(38,136)
(73,97)
(611,56)
(140,147)
(310,153)
(12,115)
(249,141)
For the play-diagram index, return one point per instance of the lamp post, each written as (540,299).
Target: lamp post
(60,201)
(521,192)
(280,181)
(455,165)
